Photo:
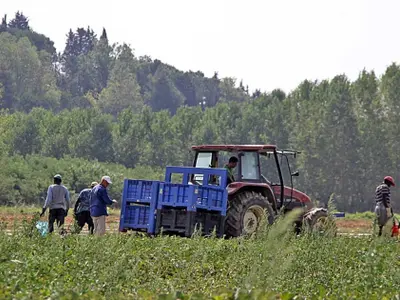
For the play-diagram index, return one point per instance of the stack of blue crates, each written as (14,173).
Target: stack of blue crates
(182,206)
(175,207)
(139,201)
(206,196)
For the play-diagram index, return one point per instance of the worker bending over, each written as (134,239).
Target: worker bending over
(82,208)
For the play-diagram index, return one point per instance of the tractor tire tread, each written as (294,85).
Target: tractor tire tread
(236,207)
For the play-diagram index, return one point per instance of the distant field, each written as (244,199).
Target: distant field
(10,216)
(274,265)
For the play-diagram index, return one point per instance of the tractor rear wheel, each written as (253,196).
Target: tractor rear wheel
(318,221)
(246,211)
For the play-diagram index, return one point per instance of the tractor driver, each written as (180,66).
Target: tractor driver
(230,166)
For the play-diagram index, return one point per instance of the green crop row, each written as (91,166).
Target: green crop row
(129,266)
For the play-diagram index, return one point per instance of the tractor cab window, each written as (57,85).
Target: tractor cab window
(203,160)
(250,166)
(269,170)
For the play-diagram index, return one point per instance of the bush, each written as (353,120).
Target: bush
(25,179)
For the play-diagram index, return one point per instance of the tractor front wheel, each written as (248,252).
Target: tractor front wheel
(246,212)
(318,221)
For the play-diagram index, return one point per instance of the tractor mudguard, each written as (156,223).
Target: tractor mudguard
(262,188)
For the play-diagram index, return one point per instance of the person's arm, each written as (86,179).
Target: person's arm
(231,177)
(49,197)
(384,201)
(385,197)
(67,199)
(48,200)
(104,197)
(77,202)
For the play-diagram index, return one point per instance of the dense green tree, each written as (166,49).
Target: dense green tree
(122,90)
(389,111)
(19,27)
(99,102)
(20,21)
(165,95)
(78,67)
(3,25)
(131,136)
(26,135)
(229,92)
(27,78)
(186,121)
(374,153)
(103,58)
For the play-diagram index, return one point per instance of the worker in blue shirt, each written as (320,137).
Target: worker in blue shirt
(58,202)
(82,208)
(98,205)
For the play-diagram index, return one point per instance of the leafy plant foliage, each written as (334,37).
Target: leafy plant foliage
(274,265)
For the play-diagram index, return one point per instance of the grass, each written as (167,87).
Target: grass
(26,209)
(368,215)
(125,266)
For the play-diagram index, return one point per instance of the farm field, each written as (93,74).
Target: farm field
(274,265)
(11,217)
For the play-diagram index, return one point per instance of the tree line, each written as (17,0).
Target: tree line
(143,115)
(91,72)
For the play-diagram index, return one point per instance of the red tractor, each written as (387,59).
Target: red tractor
(252,197)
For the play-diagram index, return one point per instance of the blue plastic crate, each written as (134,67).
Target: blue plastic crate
(212,198)
(188,172)
(206,196)
(339,214)
(176,195)
(141,191)
(137,216)
(139,202)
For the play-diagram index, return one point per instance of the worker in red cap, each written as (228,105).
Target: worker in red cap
(383,209)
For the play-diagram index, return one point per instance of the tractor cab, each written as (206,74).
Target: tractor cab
(253,195)
(215,156)
(260,167)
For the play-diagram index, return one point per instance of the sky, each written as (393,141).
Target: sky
(266,43)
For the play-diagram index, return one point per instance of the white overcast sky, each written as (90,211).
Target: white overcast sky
(267,43)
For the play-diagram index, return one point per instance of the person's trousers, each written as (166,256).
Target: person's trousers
(57,214)
(381,214)
(99,225)
(83,218)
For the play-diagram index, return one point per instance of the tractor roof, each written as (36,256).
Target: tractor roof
(232,148)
